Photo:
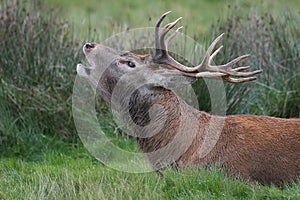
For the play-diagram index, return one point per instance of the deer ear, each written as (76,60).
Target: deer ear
(83,71)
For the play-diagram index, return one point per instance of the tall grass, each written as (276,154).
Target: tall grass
(273,43)
(37,68)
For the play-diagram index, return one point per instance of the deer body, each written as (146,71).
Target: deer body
(256,148)
(169,131)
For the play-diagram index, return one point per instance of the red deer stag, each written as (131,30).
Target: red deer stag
(256,148)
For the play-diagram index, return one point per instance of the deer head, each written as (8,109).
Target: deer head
(160,67)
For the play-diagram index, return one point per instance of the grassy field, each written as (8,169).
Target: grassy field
(41,156)
(114,16)
(73,174)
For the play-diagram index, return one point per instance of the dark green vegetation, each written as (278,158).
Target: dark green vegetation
(41,155)
(37,71)
(273,43)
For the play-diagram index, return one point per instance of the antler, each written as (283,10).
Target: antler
(205,69)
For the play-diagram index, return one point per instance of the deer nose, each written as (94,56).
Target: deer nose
(88,47)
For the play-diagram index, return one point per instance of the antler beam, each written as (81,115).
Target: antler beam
(205,69)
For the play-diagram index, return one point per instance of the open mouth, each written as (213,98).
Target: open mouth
(83,70)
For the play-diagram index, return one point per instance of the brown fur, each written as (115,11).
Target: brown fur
(255,148)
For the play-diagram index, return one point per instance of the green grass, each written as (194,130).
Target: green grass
(109,17)
(74,174)
(41,156)
(273,49)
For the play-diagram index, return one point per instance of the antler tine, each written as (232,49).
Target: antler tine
(157,26)
(162,18)
(166,29)
(161,54)
(238,80)
(206,69)
(215,53)
(241,68)
(208,57)
(172,36)
(243,74)
(227,68)
(234,61)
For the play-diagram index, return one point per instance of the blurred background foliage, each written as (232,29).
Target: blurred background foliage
(41,45)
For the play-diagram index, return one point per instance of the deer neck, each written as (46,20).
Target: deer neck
(160,117)
(171,131)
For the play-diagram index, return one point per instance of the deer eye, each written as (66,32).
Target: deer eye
(131,64)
